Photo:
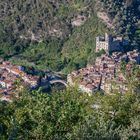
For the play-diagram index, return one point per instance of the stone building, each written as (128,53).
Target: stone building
(109,43)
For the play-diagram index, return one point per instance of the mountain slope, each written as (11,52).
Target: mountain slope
(60,35)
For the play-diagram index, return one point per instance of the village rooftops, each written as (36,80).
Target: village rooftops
(101,75)
(9,74)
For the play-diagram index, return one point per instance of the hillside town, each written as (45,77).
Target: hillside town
(105,74)
(9,74)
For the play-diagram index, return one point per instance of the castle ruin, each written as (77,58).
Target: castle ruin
(109,43)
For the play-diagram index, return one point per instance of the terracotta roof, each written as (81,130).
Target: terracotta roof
(16,70)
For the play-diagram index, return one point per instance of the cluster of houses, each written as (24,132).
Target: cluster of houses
(105,75)
(9,74)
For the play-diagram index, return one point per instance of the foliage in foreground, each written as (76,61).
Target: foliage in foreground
(70,115)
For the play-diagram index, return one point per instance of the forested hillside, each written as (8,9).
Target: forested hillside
(60,35)
(125,16)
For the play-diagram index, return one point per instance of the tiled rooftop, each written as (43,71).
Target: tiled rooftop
(105,70)
(9,74)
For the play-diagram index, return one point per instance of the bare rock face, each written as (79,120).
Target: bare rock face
(105,19)
(79,20)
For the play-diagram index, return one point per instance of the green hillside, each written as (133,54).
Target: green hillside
(65,29)
(73,49)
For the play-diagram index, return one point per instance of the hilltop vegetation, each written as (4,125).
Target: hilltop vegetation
(60,35)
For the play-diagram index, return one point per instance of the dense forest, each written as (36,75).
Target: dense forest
(60,35)
(70,115)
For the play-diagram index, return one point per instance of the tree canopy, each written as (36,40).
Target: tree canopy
(70,114)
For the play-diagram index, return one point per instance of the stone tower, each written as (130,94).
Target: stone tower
(103,43)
